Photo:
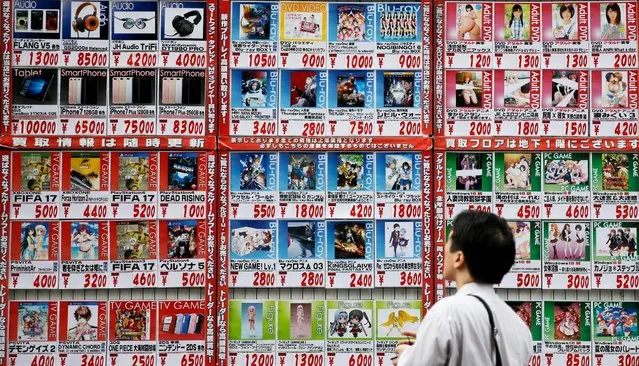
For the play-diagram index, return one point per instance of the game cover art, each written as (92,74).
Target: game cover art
(566,321)
(182,239)
(35,241)
(612,171)
(566,172)
(133,240)
(351,23)
(399,90)
(349,239)
(351,171)
(615,241)
(181,321)
(35,171)
(526,241)
(132,324)
(251,239)
(85,171)
(182,171)
(530,312)
(33,321)
(514,172)
(303,22)
(85,238)
(134,172)
(254,88)
(82,322)
(567,241)
(302,171)
(468,172)
(616,321)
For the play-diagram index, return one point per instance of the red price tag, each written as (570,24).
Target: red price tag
(261,60)
(139,59)
(309,211)
(314,61)
(360,360)
(92,59)
(360,211)
(626,212)
(34,127)
(410,61)
(193,211)
(46,211)
(361,280)
(143,360)
(145,279)
(263,279)
(479,208)
(528,61)
(42,58)
(528,212)
(528,280)
(187,127)
(89,127)
(578,281)
(95,280)
(92,360)
(144,211)
(95,211)
(361,128)
(264,128)
(575,128)
(574,359)
(359,61)
(480,128)
(577,212)
(627,281)
(261,359)
(312,279)
(410,128)
(45,281)
(406,211)
(410,279)
(627,129)
(139,127)
(262,211)
(43,360)
(192,360)
(480,61)
(193,279)
(628,360)
(576,61)
(190,60)
(625,60)
(304,359)
(527,128)
(312,129)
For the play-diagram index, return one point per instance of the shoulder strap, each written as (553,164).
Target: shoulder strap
(492,327)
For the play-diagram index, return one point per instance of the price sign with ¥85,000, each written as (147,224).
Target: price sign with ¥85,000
(84,263)
(34,254)
(182,253)
(35,185)
(33,332)
(183,177)
(85,43)
(182,332)
(133,254)
(83,332)
(301,332)
(132,326)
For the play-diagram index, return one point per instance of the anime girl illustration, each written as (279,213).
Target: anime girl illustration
(580,242)
(85,239)
(27,247)
(396,322)
(565,239)
(568,325)
(394,239)
(340,323)
(251,320)
(355,318)
(554,232)
(405,177)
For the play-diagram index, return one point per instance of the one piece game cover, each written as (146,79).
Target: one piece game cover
(182,253)
(398,253)
(36,33)
(566,186)
(133,333)
(469,102)
(518,185)
(254,34)
(34,254)
(182,103)
(566,35)
(184,27)
(393,318)
(567,337)
(301,332)
(83,102)
(526,271)
(398,185)
(182,332)
(517,102)
(252,338)
(253,253)
(85,255)
(351,107)
(34,101)
(399,36)
(350,185)
(133,254)
(613,99)
(303,35)
(134,185)
(133,100)
(301,251)
(83,332)
(615,186)
(351,36)
(469,34)
(530,313)
(567,255)
(183,177)
(35,185)
(615,255)
(134,34)
(349,253)
(303,102)
(469,182)
(302,185)
(517,27)
(399,103)
(565,102)
(85,185)
(615,332)
(613,34)
(253,182)
(350,328)
(254,102)
(33,332)
(85,33)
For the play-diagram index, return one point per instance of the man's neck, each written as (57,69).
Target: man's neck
(463,278)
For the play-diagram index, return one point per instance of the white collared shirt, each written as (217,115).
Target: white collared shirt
(456,332)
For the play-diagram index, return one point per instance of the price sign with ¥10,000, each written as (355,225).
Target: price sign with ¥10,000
(84,263)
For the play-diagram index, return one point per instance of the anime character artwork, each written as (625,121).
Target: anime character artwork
(353,322)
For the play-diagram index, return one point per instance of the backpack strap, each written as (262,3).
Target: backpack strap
(492,328)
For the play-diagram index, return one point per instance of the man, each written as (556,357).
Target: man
(456,331)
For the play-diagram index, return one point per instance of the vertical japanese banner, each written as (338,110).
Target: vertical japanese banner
(439,225)
(223,49)
(211,262)
(427,232)
(5,48)
(427,68)
(223,262)
(4,250)
(211,101)
(438,70)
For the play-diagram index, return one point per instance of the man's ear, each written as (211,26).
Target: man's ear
(458,259)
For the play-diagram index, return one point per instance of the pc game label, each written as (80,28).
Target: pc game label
(566,186)
(615,331)
(518,185)
(530,313)
(615,255)
(526,272)
(566,257)
(567,327)
(615,186)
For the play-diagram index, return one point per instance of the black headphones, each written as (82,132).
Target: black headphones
(183,26)
(87,23)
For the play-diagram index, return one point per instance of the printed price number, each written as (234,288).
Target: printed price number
(188,127)
(193,211)
(46,211)
(361,128)
(528,61)
(309,211)
(144,279)
(576,61)
(262,211)
(479,208)
(192,279)
(527,128)
(262,60)
(410,128)
(43,360)
(143,360)
(574,359)
(627,281)
(578,281)
(528,212)
(359,61)
(361,211)
(312,129)
(410,279)
(312,279)
(577,212)
(360,360)
(480,128)
(45,281)
(410,61)
(43,58)
(480,61)
(142,59)
(406,211)
(626,212)
(261,359)
(95,211)
(313,61)
(191,60)
(628,360)
(264,128)
(575,128)
(92,59)
(143,211)
(192,360)
(626,128)
(361,280)
(139,127)
(304,359)
(89,127)
(527,280)
(92,360)
(535,360)
(625,60)
(34,127)
(263,279)
(95,280)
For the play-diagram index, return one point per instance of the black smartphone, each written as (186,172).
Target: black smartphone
(36,19)
(22,20)
(90,91)
(146,90)
(52,20)
(195,91)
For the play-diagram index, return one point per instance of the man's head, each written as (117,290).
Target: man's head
(480,248)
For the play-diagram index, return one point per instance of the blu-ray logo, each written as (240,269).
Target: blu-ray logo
(370,84)
(417,169)
(272,92)
(370,19)
(319,244)
(274,10)
(123,6)
(172,5)
(418,89)
(272,166)
(369,240)
(25,4)
(322,89)
(368,180)
(321,167)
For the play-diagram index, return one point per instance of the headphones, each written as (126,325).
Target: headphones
(87,23)
(183,26)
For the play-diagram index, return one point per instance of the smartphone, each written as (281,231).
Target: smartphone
(52,20)
(22,20)
(146,90)
(36,19)
(90,91)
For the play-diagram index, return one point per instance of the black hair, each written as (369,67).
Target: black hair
(525,89)
(578,227)
(518,8)
(565,7)
(396,225)
(614,7)
(469,7)
(487,243)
